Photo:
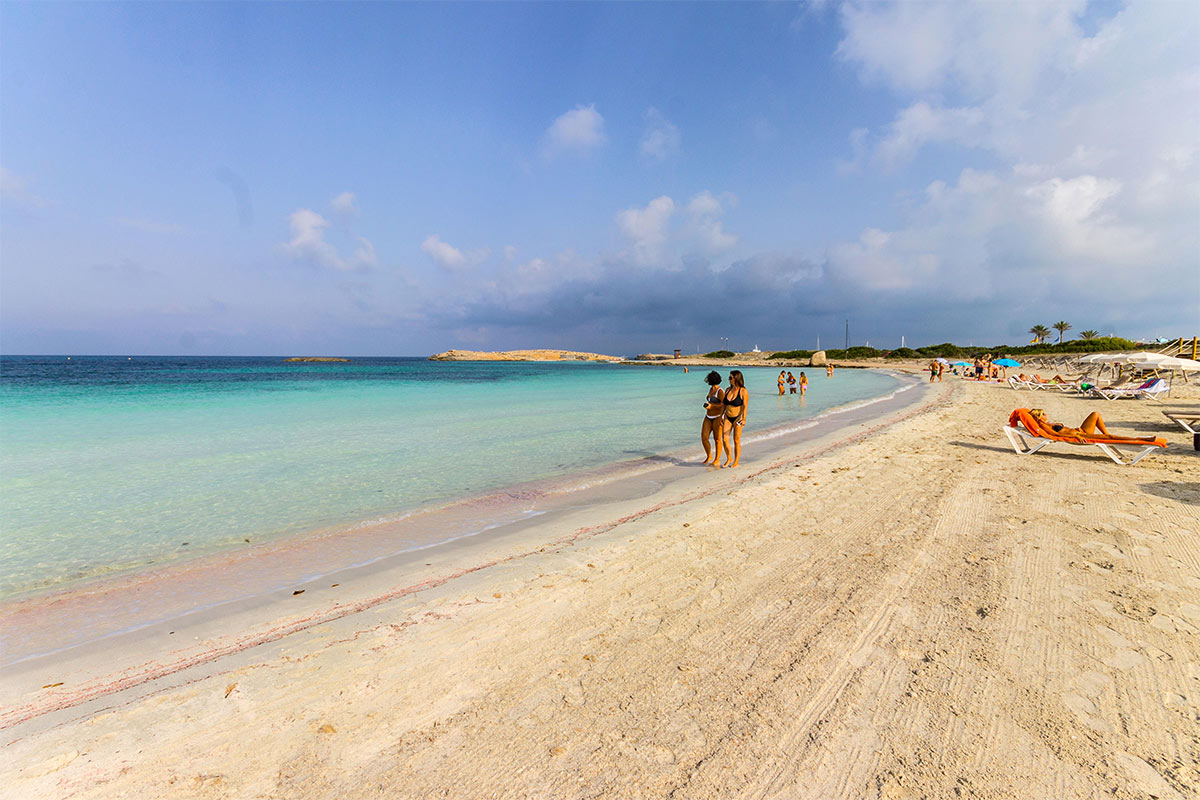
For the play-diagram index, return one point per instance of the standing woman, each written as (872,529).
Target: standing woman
(803,384)
(782,378)
(737,403)
(714,417)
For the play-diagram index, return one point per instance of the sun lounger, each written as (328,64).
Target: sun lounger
(1150,390)
(1189,421)
(1111,446)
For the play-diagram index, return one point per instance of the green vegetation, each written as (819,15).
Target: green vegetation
(720,354)
(1089,343)
(791,354)
(1099,344)
(1040,332)
(1089,334)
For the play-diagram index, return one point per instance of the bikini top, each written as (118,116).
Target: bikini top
(734,401)
(717,398)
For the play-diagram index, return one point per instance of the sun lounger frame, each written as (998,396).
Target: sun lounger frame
(1136,392)
(1185,421)
(1020,441)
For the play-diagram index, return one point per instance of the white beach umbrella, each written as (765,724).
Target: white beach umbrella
(1146,359)
(1181,364)
(1105,358)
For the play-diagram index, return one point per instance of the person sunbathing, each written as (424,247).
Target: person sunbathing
(1091,423)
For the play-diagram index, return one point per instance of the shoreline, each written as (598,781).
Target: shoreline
(149,655)
(874,611)
(238,575)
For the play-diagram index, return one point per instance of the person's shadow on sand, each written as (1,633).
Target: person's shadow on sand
(1183,492)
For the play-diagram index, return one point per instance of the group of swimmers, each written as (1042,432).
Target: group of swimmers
(788,378)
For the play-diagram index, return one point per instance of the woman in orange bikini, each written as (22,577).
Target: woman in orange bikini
(714,417)
(737,403)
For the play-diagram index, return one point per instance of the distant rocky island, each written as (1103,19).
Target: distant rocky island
(521,355)
(315,358)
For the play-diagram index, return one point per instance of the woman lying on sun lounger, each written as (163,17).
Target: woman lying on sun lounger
(1091,423)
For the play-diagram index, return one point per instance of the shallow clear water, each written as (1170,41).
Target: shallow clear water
(108,463)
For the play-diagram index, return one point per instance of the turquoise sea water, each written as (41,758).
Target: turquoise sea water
(109,463)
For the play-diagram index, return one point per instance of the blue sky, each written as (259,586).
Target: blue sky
(395,179)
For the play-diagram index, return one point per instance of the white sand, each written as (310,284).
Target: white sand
(922,613)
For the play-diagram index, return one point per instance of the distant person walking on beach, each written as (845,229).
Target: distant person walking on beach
(791,383)
(941,370)
(933,371)
(737,403)
(978,368)
(803,384)
(782,378)
(714,418)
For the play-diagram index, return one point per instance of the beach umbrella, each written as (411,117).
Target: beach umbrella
(942,360)
(1148,359)
(1106,358)
(1006,362)
(962,363)
(1182,364)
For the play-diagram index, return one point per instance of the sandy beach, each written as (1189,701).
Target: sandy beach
(912,610)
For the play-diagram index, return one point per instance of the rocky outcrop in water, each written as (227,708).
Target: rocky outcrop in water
(307,359)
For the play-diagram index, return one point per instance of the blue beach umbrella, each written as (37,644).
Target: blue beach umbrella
(1006,362)
(962,363)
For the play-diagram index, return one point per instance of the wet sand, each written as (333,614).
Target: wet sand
(912,610)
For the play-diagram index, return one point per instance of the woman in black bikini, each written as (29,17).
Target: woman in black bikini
(714,413)
(737,403)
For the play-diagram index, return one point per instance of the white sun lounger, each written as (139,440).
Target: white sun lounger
(1150,390)
(1189,421)
(1020,440)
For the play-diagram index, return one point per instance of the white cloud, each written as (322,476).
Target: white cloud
(365,253)
(920,124)
(647,227)
(579,130)
(15,191)
(1087,126)
(308,244)
(510,252)
(344,205)
(660,140)
(449,257)
(705,225)
(976,49)
(308,240)
(445,255)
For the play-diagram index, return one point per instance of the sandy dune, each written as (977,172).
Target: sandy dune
(920,613)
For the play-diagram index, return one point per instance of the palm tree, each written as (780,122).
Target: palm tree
(1089,334)
(1061,327)
(1041,332)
